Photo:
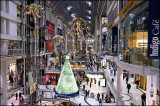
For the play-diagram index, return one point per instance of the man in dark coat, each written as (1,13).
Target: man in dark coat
(128,87)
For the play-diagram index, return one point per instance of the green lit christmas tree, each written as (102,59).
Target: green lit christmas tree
(66,83)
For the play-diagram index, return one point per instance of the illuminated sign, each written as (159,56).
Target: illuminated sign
(153,30)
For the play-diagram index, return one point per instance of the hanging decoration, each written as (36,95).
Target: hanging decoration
(34,10)
(80,30)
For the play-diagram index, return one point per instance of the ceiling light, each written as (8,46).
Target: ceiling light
(88,17)
(69,7)
(89,11)
(89,3)
(72,14)
(89,21)
(50,10)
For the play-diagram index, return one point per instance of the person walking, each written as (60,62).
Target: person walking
(12,104)
(87,80)
(97,67)
(100,102)
(137,83)
(16,95)
(127,80)
(102,96)
(80,104)
(19,94)
(143,97)
(128,87)
(86,92)
(90,84)
(98,95)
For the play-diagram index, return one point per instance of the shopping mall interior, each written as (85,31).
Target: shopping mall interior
(79,52)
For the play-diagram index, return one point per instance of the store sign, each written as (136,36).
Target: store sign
(32,88)
(50,28)
(153,30)
(114,39)
(104,20)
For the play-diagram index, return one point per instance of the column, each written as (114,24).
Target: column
(4,47)
(152,86)
(100,39)
(119,86)
(65,40)
(95,34)
(3,25)
(119,26)
(3,5)
(3,82)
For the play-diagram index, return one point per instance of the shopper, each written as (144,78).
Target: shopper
(102,96)
(16,95)
(12,104)
(80,104)
(88,93)
(137,83)
(87,80)
(98,95)
(20,95)
(143,97)
(100,102)
(90,84)
(97,67)
(128,87)
(112,80)
(127,80)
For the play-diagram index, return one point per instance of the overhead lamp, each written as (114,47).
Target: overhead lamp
(89,11)
(69,8)
(89,21)
(89,3)
(88,17)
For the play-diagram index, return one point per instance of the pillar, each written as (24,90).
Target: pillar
(119,26)
(95,34)
(3,25)
(65,40)
(119,85)
(3,5)
(4,47)
(3,82)
(152,86)
(100,39)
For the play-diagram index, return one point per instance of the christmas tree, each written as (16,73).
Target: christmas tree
(66,83)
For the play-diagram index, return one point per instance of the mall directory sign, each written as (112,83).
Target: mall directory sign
(153,29)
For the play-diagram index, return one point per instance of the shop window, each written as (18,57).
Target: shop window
(134,38)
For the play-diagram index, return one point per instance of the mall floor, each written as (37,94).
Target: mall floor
(135,94)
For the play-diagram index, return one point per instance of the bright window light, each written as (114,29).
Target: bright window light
(89,3)
(69,8)
(89,11)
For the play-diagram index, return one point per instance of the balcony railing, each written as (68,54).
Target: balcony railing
(14,52)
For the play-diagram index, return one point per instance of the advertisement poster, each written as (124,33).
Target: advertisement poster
(32,88)
(153,30)
(114,39)
(59,31)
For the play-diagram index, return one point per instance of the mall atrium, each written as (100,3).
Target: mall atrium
(80,52)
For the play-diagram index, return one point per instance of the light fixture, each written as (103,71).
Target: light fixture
(89,11)
(72,14)
(89,21)
(69,8)
(89,3)
(88,17)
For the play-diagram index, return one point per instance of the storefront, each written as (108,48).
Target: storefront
(53,77)
(96,79)
(133,39)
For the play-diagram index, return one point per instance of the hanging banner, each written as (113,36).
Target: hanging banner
(153,30)
(114,39)
(32,88)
